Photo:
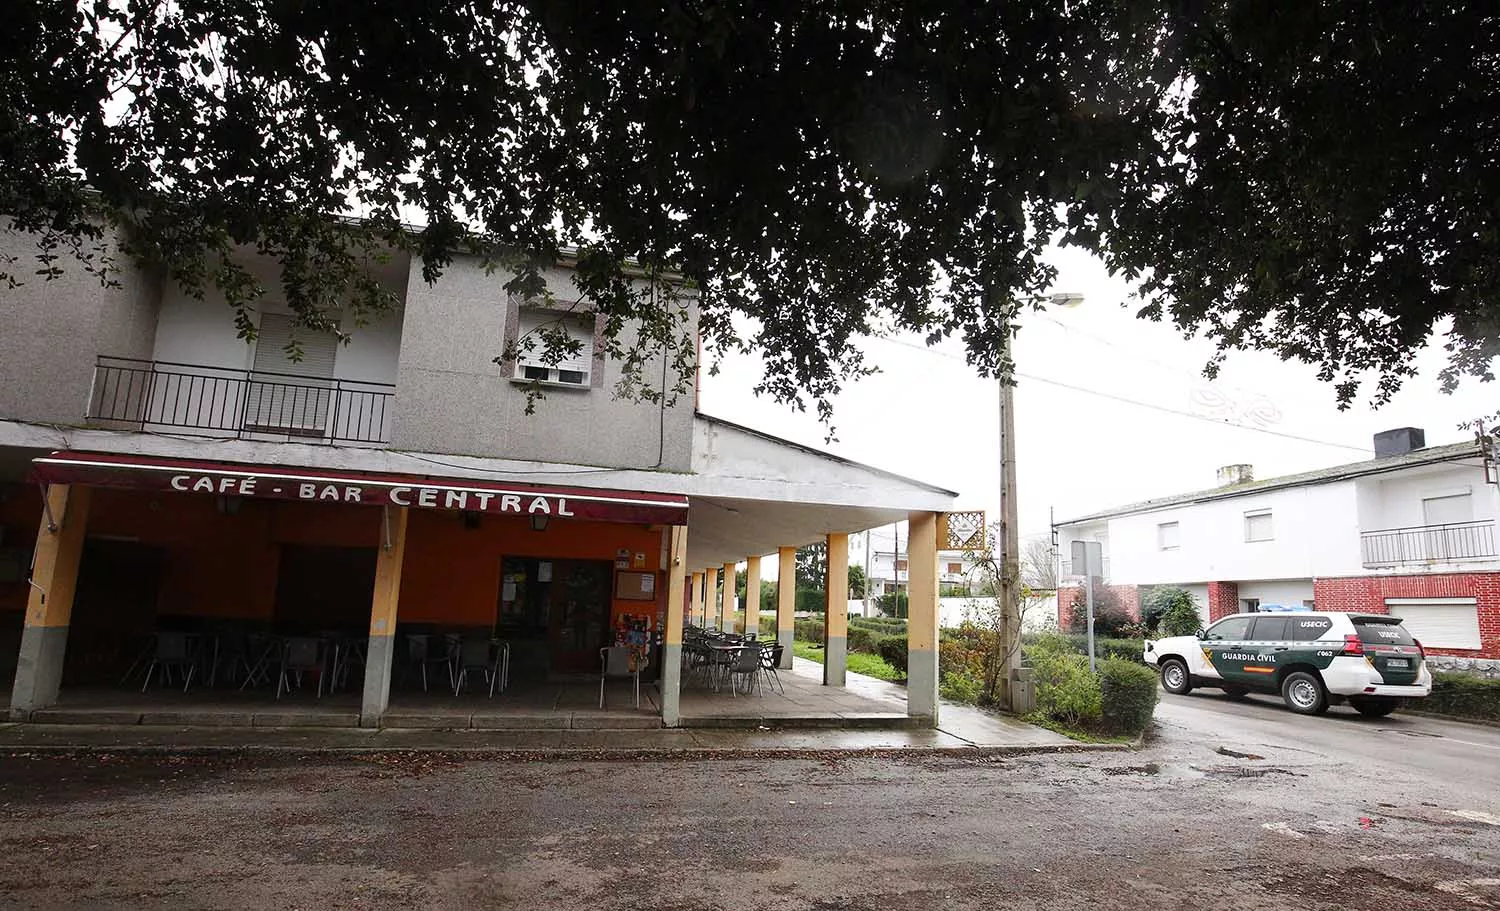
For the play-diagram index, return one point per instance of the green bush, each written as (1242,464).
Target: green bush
(1127,695)
(961,686)
(1128,649)
(1463,696)
(892,604)
(810,601)
(808,630)
(893,650)
(861,639)
(1180,614)
(1066,690)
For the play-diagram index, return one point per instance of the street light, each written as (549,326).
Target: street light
(1010,537)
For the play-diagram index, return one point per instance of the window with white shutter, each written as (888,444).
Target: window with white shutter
(1448,510)
(1258,526)
(1167,536)
(534,361)
(286,396)
(1439,622)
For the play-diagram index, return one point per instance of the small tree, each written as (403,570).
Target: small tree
(1180,618)
(856,581)
(1110,616)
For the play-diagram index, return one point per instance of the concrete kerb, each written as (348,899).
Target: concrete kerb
(172,745)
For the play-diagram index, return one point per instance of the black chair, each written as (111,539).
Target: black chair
(170,651)
(301,655)
(424,651)
(476,654)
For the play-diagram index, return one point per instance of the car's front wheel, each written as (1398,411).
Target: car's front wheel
(1304,693)
(1374,706)
(1175,678)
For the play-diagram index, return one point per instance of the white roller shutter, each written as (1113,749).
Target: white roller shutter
(1439,622)
(580,329)
(288,396)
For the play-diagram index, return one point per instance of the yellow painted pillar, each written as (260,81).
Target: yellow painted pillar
(786,602)
(710,599)
(695,603)
(836,614)
(380,656)
(752,596)
(726,600)
(49,605)
(922,617)
(671,652)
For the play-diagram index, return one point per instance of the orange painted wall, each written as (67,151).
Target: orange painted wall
(225,565)
(452,573)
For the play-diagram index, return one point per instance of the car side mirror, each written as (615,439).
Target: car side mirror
(1200,633)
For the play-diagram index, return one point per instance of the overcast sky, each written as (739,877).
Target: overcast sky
(928,415)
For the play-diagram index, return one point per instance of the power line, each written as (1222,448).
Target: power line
(1129,401)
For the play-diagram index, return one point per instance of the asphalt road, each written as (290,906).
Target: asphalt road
(1464,757)
(1232,806)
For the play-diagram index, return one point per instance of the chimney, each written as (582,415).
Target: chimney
(1231,475)
(1389,443)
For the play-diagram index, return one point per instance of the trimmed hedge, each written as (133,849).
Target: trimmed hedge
(1462,696)
(808,630)
(1126,649)
(861,639)
(1127,695)
(893,650)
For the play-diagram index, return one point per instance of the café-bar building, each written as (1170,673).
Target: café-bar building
(162,478)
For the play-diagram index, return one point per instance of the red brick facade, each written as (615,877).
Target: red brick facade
(1367,594)
(1223,600)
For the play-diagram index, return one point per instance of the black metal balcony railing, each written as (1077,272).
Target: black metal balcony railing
(1428,543)
(161,394)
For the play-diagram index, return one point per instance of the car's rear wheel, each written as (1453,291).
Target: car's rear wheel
(1236,692)
(1374,706)
(1175,678)
(1304,693)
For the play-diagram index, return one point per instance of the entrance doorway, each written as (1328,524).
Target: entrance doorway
(555,614)
(325,589)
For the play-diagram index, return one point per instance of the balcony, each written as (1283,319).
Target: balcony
(1428,544)
(1067,570)
(159,396)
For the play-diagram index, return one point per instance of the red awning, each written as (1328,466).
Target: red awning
(319,485)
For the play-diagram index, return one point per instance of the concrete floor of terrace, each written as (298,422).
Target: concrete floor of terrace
(865,714)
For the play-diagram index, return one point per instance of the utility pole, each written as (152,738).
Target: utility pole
(1010,562)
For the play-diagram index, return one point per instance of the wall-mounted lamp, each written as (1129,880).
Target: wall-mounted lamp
(539,523)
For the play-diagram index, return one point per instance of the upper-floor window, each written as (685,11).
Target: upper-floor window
(1447,510)
(955,568)
(537,331)
(1167,537)
(1258,526)
(287,396)
(900,566)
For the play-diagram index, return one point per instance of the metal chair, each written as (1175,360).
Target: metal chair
(746,666)
(171,650)
(476,655)
(616,664)
(425,650)
(770,657)
(300,655)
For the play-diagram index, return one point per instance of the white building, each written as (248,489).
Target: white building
(1410,532)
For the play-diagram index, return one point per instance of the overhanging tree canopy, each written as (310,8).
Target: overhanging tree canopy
(1317,178)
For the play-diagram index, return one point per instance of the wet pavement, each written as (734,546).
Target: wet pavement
(1231,806)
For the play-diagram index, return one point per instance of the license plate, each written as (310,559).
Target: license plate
(1397,662)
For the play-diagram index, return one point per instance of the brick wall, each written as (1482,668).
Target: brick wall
(1223,600)
(1367,594)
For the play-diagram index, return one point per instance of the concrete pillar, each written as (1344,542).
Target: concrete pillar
(671,650)
(695,602)
(710,599)
(726,601)
(49,604)
(752,595)
(836,614)
(786,602)
(922,618)
(381,654)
